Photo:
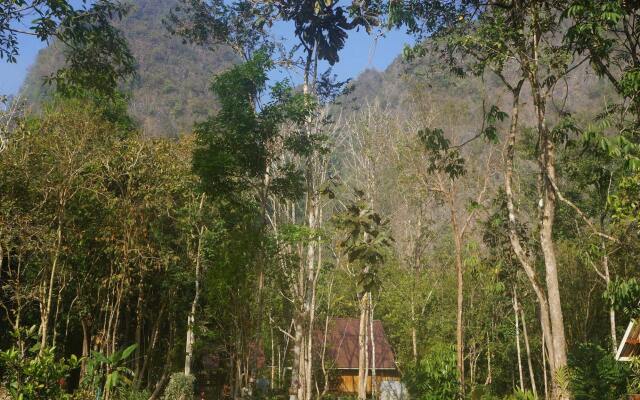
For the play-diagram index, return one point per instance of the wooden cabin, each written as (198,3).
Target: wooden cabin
(342,353)
(630,345)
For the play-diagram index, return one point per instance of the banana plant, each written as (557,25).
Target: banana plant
(107,374)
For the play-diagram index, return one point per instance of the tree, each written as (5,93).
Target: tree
(516,43)
(97,55)
(365,245)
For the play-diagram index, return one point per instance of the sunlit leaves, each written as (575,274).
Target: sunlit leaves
(492,118)
(441,156)
(366,242)
(97,55)
(236,146)
(625,296)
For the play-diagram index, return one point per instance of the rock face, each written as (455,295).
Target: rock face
(171,89)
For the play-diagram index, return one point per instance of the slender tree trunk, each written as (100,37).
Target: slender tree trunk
(54,334)
(138,334)
(460,294)
(551,264)
(191,319)
(518,350)
(521,255)
(612,310)
(86,345)
(325,370)
(46,310)
(153,343)
(547,217)
(374,389)
(544,368)
(273,362)
(532,375)
(298,348)
(266,179)
(116,320)
(362,346)
(414,338)
(489,370)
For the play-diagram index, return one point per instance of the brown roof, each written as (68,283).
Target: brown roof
(342,344)
(630,346)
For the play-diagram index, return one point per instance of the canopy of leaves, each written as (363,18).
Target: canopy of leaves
(97,55)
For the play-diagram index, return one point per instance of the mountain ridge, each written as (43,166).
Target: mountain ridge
(171,88)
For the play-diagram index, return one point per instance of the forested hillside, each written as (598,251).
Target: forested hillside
(170,90)
(462,226)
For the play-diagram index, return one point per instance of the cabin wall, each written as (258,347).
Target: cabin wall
(348,382)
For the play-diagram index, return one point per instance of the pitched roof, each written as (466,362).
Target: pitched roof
(343,348)
(630,345)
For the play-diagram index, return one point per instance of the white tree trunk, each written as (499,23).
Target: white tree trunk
(191,319)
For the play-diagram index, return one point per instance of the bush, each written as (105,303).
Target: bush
(596,375)
(435,377)
(137,395)
(634,381)
(520,395)
(180,387)
(109,374)
(32,374)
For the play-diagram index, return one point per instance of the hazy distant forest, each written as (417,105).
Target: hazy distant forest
(176,225)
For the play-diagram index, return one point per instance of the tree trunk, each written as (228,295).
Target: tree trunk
(46,309)
(519,352)
(414,338)
(191,319)
(86,345)
(362,346)
(374,389)
(521,255)
(544,368)
(138,334)
(460,293)
(548,197)
(298,346)
(157,391)
(612,310)
(153,342)
(532,375)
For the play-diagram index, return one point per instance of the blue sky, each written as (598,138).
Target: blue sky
(362,51)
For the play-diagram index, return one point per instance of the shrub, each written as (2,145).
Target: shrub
(520,395)
(109,374)
(634,381)
(30,373)
(596,375)
(180,387)
(134,394)
(435,377)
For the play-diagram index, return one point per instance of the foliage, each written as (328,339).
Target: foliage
(169,90)
(31,372)
(101,224)
(235,147)
(97,55)
(624,295)
(237,24)
(180,387)
(366,242)
(634,381)
(597,374)
(109,372)
(435,377)
(520,395)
